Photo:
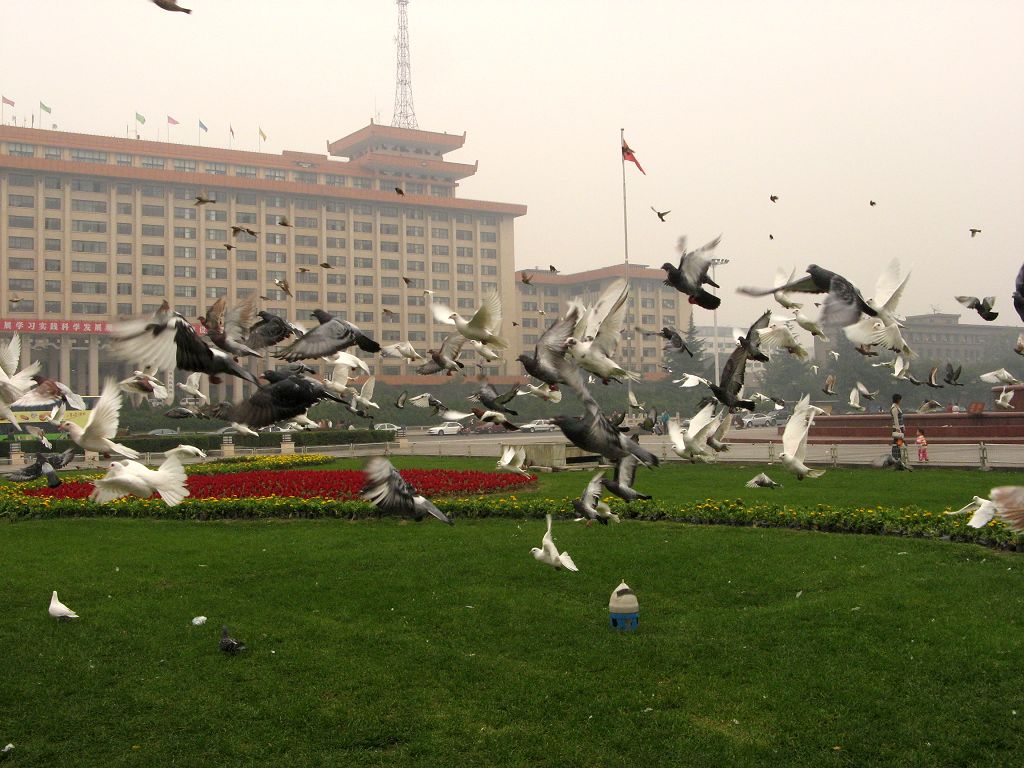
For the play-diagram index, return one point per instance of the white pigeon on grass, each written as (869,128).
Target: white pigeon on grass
(102,425)
(58,610)
(983,511)
(548,553)
(126,478)
(762,481)
(794,439)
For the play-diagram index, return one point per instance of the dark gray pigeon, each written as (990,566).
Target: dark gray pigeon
(167,340)
(595,433)
(982,306)
(728,389)
(750,342)
(392,495)
(1018,293)
(691,275)
(549,361)
(843,304)
(621,483)
(269,331)
(446,358)
(333,334)
(45,465)
(285,397)
(489,396)
(228,644)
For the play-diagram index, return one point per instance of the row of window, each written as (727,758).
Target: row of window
(186,165)
(159,192)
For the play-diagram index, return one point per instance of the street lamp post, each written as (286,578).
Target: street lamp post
(714,315)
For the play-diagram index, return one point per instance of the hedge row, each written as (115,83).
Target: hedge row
(890,521)
(208,442)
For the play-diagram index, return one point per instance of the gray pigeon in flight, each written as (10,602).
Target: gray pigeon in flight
(391,494)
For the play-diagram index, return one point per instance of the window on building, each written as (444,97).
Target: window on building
(181,270)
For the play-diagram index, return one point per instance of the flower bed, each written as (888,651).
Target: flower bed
(343,485)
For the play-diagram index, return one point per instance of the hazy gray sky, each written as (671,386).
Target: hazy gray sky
(827,104)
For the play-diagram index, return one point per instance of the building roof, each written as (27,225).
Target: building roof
(356,143)
(547,277)
(287,160)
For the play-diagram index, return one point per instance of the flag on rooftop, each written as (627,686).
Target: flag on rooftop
(45,108)
(7,101)
(171,121)
(263,135)
(140,119)
(202,127)
(627,154)
(230,128)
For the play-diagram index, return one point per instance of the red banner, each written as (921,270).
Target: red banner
(54,326)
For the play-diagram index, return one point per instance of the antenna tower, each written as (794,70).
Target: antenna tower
(405,113)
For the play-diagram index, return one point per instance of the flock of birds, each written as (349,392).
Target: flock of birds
(576,350)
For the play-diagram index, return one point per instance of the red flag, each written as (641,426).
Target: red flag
(7,101)
(627,154)
(171,120)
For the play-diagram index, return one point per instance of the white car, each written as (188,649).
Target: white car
(448,428)
(538,425)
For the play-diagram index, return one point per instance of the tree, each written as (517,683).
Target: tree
(702,363)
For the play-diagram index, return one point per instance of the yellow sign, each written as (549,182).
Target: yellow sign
(40,417)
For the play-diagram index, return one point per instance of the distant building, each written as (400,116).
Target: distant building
(940,337)
(652,305)
(95,227)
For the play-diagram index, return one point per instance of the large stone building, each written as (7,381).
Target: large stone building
(548,296)
(95,228)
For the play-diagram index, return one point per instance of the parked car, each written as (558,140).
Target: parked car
(758,420)
(385,427)
(162,432)
(275,428)
(538,425)
(448,428)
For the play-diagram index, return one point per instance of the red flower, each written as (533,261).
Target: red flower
(313,483)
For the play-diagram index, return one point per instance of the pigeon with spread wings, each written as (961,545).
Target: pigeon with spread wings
(392,495)
(485,324)
(692,274)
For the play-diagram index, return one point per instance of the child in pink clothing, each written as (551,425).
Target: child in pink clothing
(922,446)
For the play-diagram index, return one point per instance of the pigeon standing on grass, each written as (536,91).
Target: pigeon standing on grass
(548,553)
(58,610)
(391,494)
(228,644)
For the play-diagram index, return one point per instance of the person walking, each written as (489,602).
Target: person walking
(898,427)
(922,446)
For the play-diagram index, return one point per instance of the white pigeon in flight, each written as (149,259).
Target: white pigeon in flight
(548,553)
(401,349)
(595,338)
(485,324)
(191,387)
(126,478)
(692,443)
(1003,402)
(513,459)
(983,511)
(58,610)
(1009,501)
(183,451)
(794,439)
(780,296)
(102,425)
(546,392)
(1001,376)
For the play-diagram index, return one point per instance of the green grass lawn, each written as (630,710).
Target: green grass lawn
(386,644)
(931,489)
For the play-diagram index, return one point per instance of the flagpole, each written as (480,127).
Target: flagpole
(625,249)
